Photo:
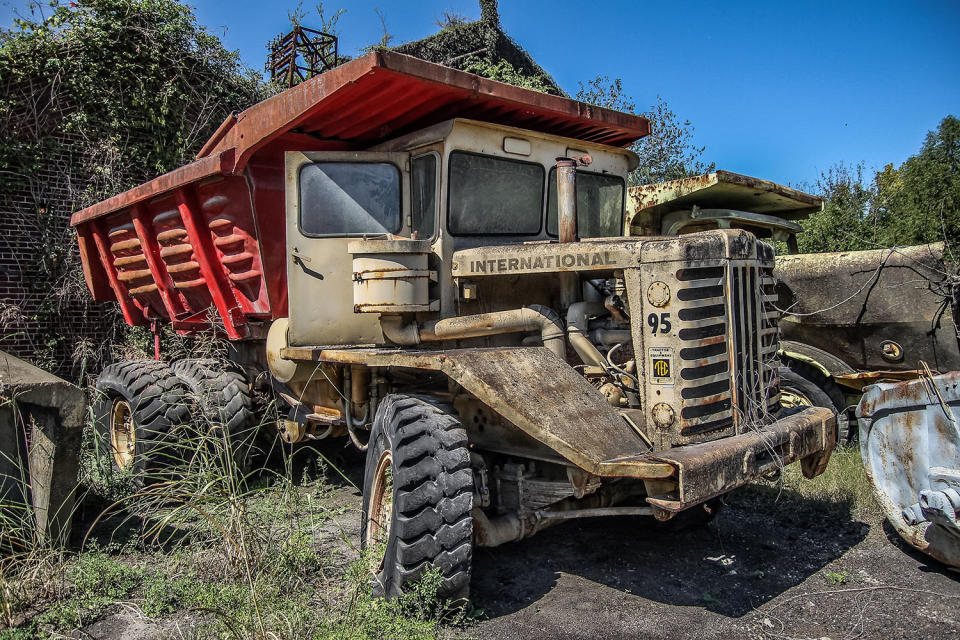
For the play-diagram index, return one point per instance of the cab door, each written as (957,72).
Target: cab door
(333,198)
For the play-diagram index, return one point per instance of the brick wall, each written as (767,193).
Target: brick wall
(43,319)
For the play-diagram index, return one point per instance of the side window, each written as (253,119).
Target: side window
(349,198)
(599,205)
(423,196)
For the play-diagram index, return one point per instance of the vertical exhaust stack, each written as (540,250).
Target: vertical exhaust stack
(567,220)
(567,199)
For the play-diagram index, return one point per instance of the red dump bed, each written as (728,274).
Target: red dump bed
(211,233)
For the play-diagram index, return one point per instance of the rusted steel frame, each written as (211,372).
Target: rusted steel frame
(220,164)
(127,304)
(151,252)
(200,239)
(96,283)
(217,136)
(716,467)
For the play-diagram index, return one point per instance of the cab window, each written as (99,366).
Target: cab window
(599,205)
(489,195)
(349,198)
(423,195)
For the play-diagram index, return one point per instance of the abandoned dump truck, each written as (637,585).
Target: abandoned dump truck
(853,318)
(398,247)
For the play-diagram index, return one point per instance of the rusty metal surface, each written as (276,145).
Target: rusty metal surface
(582,427)
(647,204)
(374,98)
(910,443)
(855,304)
(713,468)
(859,381)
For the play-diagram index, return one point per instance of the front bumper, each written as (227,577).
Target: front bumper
(707,470)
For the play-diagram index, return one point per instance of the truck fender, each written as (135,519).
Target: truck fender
(826,363)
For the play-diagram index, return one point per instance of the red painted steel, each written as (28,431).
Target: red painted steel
(151,252)
(231,199)
(132,316)
(203,249)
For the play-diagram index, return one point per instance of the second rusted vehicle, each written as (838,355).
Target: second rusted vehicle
(851,318)
(433,264)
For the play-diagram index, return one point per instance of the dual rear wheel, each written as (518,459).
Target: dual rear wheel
(139,403)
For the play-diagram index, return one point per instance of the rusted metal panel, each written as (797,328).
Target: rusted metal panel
(883,309)
(582,427)
(713,468)
(648,204)
(910,443)
(545,258)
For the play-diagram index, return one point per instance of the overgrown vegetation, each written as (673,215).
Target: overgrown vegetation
(915,203)
(246,555)
(669,152)
(97,96)
(842,491)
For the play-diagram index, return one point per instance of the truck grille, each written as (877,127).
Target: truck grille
(728,347)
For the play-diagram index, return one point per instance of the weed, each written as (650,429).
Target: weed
(837,578)
(841,491)
(711,601)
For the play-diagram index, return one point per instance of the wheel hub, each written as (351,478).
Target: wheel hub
(380,510)
(791,398)
(123,438)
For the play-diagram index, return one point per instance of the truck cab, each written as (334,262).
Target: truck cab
(460,184)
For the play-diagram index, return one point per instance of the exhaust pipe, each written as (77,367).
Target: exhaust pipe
(567,199)
(532,318)
(567,220)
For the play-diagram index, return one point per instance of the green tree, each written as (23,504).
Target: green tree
(847,222)
(669,152)
(915,203)
(923,195)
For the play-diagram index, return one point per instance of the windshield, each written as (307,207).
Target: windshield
(494,196)
(599,205)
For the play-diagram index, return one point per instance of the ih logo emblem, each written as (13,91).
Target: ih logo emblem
(661,365)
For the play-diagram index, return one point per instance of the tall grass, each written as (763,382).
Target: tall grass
(252,554)
(842,490)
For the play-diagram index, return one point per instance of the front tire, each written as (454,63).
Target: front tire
(417,498)
(137,404)
(803,386)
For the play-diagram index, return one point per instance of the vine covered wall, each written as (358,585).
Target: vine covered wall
(96,96)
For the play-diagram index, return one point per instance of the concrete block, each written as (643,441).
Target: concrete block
(41,424)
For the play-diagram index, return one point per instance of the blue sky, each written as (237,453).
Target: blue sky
(774,89)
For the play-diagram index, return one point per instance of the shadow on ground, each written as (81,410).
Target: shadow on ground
(743,559)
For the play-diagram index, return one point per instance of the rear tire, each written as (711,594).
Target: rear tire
(808,387)
(222,396)
(138,403)
(417,498)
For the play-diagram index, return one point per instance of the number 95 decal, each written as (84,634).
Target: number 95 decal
(659,323)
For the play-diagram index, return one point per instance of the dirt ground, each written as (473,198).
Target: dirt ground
(761,569)
(747,574)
